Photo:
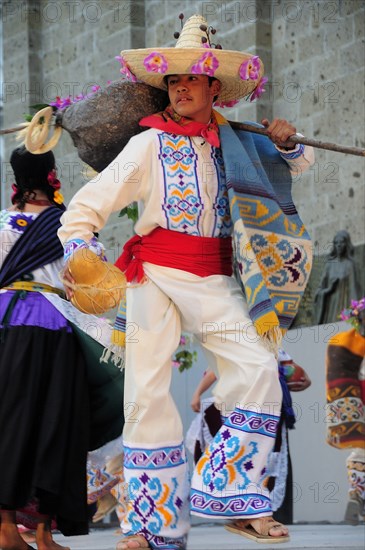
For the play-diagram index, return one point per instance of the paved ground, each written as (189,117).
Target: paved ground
(215,537)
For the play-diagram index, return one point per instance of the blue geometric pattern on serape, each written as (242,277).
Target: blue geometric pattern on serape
(181,200)
(150,459)
(229,506)
(265,214)
(223,225)
(282,264)
(273,249)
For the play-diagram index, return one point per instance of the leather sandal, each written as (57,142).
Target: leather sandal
(243,527)
(105,505)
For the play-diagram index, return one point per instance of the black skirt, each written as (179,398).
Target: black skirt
(44,423)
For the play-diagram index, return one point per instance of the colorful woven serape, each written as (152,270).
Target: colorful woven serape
(345,406)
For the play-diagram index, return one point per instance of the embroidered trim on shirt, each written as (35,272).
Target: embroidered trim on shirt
(181,201)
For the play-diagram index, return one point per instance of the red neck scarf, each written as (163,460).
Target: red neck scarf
(171,122)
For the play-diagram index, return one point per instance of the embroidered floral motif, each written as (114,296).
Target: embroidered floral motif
(20,221)
(250,69)
(207,64)
(182,202)
(230,478)
(226,462)
(155,63)
(125,70)
(152,504)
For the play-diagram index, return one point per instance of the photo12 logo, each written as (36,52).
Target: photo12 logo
(70,11)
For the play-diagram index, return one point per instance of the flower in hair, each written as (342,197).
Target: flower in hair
(58,197)
(52,180)
(15,189)
(56,184)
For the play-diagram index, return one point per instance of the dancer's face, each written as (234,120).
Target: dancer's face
(191,95)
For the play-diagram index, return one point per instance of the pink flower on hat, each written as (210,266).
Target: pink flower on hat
(125,70)
(155,63)
(259,90)
(250,69)
(207,64)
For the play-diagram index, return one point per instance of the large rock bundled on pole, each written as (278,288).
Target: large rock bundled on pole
(101,125)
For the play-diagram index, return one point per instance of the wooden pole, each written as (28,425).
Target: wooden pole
(255,130)
(11,130)
(299,139)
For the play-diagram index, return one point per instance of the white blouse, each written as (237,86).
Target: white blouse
(179,180)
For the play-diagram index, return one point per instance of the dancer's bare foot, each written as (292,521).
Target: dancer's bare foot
(28,536)
(10,538)
(44,537)
(12,543)
(132,541)
(52,545)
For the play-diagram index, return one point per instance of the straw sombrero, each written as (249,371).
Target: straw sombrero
(240,73)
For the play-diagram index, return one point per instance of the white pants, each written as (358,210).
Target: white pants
(229,480)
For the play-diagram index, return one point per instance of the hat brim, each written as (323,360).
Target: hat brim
(226,68)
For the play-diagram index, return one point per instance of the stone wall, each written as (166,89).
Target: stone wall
(313,53)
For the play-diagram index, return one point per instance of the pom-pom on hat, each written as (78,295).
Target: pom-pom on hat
(240,73)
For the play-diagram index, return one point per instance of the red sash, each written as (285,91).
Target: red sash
(202,256)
